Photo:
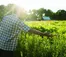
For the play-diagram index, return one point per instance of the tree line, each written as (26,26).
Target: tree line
(32,14)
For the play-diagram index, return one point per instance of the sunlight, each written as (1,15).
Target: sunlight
(24,4)
(54,5)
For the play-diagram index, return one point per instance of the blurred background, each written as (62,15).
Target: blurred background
(35,10)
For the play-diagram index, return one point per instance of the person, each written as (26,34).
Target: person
(10,27)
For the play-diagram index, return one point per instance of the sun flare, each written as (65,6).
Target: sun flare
(53,5)
(24,4)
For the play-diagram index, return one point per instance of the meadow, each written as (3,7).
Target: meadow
(32,45)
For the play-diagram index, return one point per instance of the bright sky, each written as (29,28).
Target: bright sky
(54,5)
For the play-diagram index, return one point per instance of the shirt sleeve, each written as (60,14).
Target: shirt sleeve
(23,26)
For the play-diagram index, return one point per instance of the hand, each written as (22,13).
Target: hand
(49,34)
(52,35)
(46,34)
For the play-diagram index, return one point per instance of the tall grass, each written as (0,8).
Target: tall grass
(32,45)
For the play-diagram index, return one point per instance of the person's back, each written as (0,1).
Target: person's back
(8,30)
(10,27)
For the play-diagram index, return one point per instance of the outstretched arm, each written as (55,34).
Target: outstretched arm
(34,31)
(24,27)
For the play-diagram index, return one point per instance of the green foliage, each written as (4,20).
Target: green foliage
(32,45)
(11,9)
(2,11)
(32,15)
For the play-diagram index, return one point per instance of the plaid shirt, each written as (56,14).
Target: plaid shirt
(10,27)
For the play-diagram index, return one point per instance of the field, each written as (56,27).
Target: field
(32,45)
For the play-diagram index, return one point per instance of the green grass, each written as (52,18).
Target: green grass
(32,45)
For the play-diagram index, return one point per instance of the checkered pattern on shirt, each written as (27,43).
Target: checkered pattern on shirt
(10,27)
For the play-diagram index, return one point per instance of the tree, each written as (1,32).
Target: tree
(2,11)
(61,15)
(32,14)
(11,9)
(40,13)
(49,13)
